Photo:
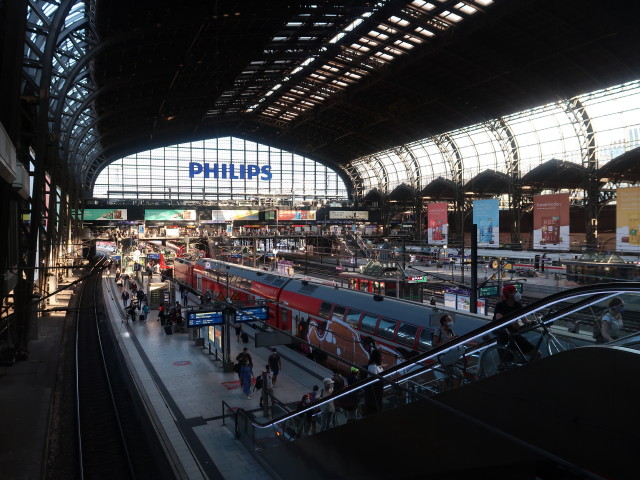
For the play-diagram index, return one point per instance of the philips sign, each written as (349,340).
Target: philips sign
(230,171)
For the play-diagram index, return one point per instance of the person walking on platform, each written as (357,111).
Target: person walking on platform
(267,385)
(246,374)
(125,298)
(145,311)
(131,311)
(244,355)
(185,297)
(162,314)
(238,329)
(275,362)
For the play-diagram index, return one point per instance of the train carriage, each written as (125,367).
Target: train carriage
(343,322)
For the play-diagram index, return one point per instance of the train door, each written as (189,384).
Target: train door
(199,283)
(285,322)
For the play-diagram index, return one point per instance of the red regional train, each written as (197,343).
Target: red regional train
(343,322)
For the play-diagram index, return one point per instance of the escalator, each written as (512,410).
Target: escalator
(570,414)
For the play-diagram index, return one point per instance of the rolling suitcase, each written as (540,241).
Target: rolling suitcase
(244,337)
(168,329)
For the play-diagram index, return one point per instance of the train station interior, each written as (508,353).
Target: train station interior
(333,180)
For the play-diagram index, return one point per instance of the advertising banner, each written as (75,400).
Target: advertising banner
(551,222)
(296,214)
(104,214)
(628,219)
(170,215)
(362,215)
(486,215)
(438,223)
(224,216)
(109,247)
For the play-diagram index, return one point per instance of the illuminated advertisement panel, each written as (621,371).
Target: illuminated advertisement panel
(437,223)
(170,215)
(105,214)
(296,214)
(628,219)
(486,217)
(349,215)
(224,216)
(551,221)
(109,247)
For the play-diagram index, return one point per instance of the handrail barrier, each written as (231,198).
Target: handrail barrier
(419,377)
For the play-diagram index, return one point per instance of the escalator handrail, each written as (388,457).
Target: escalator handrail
(603,291)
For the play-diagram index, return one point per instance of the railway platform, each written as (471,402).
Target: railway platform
(184,388)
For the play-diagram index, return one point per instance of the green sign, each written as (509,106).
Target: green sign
(492,290)
(489,291)
(105,214)
(418,279)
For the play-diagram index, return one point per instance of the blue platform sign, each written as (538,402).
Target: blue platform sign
(252,313)
(153,256)
(203,319)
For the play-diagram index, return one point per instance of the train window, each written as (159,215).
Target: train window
(325,309)
(426,339)
(368,323)
(338,313)
(353,318)
(387,328)
(407,333)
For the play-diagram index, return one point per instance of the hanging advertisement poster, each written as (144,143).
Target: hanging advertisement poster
(296,215)
(438,224)
(169,215)
(486,215)
(628,220)
(104,214)
(551,222)
(224,216)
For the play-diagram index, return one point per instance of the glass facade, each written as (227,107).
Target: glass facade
(534,136)
(201,171)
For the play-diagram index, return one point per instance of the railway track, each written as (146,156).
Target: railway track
(114,439)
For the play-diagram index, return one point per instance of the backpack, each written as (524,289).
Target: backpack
(258,384)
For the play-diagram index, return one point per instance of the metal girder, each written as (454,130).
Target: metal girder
(507,141)
(451,153)
(581,122)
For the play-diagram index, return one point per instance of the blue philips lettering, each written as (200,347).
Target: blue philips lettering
(266,172)
(194,169)
(208,170)
(253,171)
(230,171)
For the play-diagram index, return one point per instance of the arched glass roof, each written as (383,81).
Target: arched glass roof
(533,137)
(165,173)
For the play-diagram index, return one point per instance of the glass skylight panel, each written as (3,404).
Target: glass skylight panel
(378,35)
(386,28)
(425,6)
(450,16)
(393,51)
(368,41)
(403,44)
(399,21)
(466,8)
(383,56)
(484,3)
(358,47)
(424,32)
